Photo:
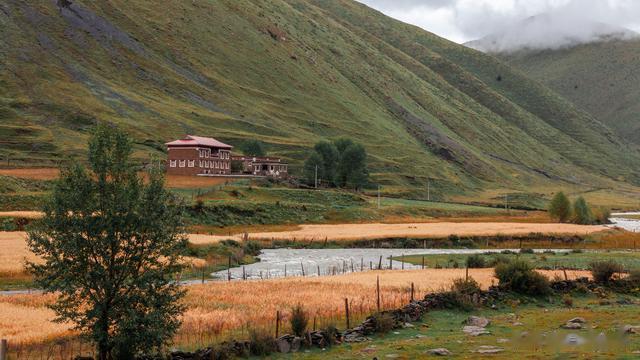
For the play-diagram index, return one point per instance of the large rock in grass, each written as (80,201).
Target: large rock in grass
(439,352)
(477,321)
(475,330)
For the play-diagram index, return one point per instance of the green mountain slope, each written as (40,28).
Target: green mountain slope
(291,72)
(602,78)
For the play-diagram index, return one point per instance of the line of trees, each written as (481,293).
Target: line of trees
(561,210)
(341,163)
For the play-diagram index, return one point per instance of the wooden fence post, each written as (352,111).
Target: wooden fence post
(412,291)
(318,275)
(203,276)
(229,270)
(346,308)
(285,270)
(391,262)
(380,263)
(302,267)
(422,262)
(352,265)
(378,291)
(4,349)
(466,273)
(402,260)
(361,264)
(244,273)
(277,323)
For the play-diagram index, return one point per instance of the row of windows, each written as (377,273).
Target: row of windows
(207,153)
(192,163)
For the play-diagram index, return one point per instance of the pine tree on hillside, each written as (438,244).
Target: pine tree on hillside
(581,212)
(110,246)
(560,207)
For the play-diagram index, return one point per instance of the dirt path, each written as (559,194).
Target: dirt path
(421,230)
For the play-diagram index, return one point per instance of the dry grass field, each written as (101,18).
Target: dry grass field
(422,230)
(32,173)
(220,309)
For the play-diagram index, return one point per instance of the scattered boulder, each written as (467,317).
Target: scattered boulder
(439,352)
(574,324)
(296,344)
(475,330)
(489,349)
(631,329)
(477,321)
(284,343)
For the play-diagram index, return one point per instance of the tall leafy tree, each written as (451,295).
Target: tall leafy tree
(352,169)
(330,157)
(309,169)
(560,207)
(342,144)
(253,148)
(581,212)
(110,245)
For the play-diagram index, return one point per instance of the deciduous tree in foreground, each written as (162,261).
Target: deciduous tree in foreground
(111,245)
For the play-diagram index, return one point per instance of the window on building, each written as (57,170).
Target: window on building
(192,163)
(172,163)
(182,163)
(206,164)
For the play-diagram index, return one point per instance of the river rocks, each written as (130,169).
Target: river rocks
(488,349)
(439,352)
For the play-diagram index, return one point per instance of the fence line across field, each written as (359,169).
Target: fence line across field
(348,314)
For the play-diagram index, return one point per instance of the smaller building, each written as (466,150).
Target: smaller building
(263,166)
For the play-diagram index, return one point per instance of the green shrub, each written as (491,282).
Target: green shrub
(603,271)
(601,215)
(498,259)
(384,322)
(261,343)
(299,320)
(520,277)
(466,286)
(476,261)
(251,248)
(560,208)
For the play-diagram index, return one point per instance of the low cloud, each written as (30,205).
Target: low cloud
(555,22)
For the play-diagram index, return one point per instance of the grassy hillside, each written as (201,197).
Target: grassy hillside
(602,78)
(292,72)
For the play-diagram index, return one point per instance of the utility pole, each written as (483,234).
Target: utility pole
(378,196)
(316,177)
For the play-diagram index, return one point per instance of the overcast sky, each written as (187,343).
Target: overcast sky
(465,20)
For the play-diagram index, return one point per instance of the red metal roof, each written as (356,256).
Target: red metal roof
(192,140)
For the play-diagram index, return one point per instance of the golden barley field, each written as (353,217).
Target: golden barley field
(217,310)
